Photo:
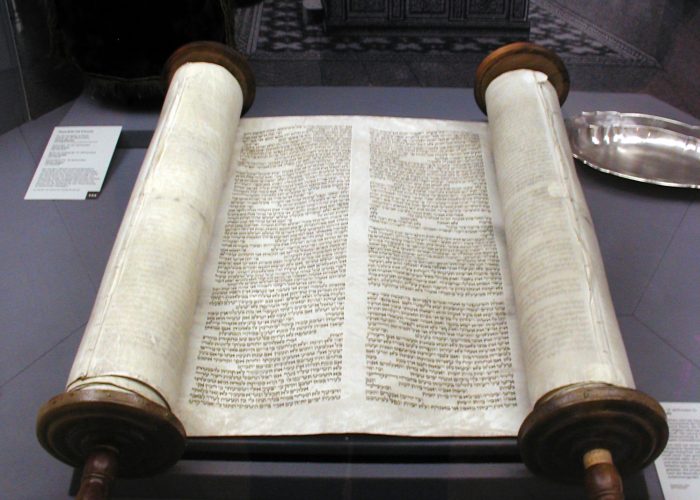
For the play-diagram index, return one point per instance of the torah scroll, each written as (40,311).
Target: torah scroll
(316,275)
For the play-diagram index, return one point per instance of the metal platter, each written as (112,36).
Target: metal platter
(640,147)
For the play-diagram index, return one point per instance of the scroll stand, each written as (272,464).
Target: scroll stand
(585,431)
(112,433)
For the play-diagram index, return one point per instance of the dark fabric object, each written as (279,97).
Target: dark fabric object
(121,46)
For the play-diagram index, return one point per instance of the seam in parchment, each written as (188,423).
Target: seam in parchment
(598,324)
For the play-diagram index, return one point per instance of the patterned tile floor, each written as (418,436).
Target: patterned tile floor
(282,34)
(284,51)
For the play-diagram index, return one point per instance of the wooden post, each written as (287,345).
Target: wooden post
(98,473)
(601,479)
(108,433)
(215,53)
(520,55)
(586,432)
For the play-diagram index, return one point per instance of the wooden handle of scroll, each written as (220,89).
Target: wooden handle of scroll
(98,474)
(601,478)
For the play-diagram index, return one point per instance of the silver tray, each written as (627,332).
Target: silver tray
(640,147)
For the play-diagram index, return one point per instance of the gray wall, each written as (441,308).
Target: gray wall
(668,30)
(681,58)
(635,21)
(13,108)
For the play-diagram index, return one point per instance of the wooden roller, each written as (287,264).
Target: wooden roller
(113,433)
(109,433)
(215,53)
(521,55)
(587,431)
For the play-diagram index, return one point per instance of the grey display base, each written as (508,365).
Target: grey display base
(307,481)
(53,254)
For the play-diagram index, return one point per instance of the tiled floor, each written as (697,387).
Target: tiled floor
(282,33)
(285,51)
(646,46)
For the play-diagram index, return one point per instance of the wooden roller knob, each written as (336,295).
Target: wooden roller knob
(592,423)
(601,479)
(98,474)
(108,433)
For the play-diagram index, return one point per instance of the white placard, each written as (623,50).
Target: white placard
(679,465)
(74,163)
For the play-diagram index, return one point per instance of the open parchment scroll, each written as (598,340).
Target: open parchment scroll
(353,274)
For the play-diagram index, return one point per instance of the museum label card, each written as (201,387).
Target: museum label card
(679,465)
(74,163)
